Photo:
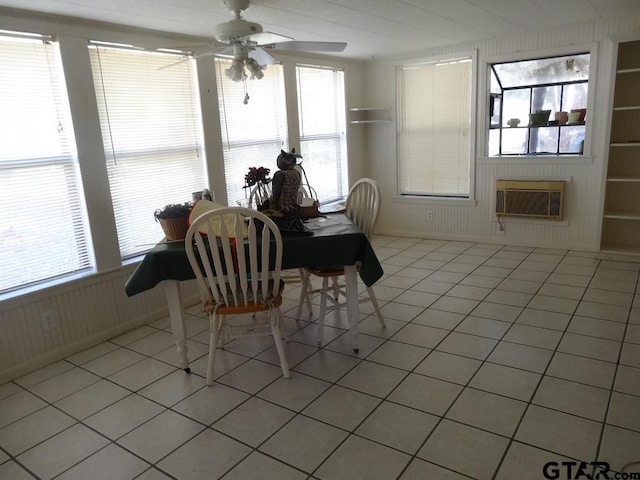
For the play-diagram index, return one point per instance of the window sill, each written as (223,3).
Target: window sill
(58,282)
(62,284)
(434,200)
(537,159)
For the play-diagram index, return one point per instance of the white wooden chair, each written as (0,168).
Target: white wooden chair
(258,195)
(238,276)
(362,207)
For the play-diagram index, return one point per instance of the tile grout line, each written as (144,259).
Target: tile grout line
(535,390)
(351,432)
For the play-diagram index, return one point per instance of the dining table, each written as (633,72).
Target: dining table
(331,240)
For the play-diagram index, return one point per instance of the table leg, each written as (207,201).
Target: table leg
(353,310)
(174,301)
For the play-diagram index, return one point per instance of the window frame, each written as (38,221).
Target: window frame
(342,165)
(485,87)
(473,128)
(231,98)
(67,193)
(175,157)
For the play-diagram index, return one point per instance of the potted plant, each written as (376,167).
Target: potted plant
(173,219)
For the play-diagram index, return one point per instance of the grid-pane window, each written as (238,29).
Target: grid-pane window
(321,109)
(434,128)
(151,128)
(253,132)
(538,106)
(42,232)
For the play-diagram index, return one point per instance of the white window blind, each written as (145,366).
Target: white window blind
(434,127)
(42,233)
(253,133)
(152,134)
(321,109)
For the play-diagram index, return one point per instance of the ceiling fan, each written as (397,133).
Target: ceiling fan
(248,43)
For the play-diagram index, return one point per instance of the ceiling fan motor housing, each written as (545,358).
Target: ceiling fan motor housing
(233,30)
(237,6)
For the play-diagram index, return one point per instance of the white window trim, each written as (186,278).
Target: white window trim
(483,86)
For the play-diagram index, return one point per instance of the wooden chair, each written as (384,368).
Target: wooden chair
(258,195)
(362,207)
(238,277)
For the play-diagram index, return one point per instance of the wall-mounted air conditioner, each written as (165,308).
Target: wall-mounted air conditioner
(535,199)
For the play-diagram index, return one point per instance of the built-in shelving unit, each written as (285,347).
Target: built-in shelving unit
(369,115)
(621,222)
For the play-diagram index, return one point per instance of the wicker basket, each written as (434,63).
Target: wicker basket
(174,228)
(310,211)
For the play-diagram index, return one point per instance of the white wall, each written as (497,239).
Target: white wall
(474,220)
(94,307)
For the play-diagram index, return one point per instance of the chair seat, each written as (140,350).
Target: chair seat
(327,271)
(253,305)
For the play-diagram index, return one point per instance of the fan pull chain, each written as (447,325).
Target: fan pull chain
(246,94)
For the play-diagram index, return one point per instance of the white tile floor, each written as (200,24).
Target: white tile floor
(495,361)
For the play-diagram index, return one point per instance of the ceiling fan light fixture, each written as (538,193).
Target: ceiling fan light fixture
(255,68)
(236,71)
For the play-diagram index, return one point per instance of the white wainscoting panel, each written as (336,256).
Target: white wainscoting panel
(87,311)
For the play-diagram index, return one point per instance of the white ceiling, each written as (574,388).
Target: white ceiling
(370,27)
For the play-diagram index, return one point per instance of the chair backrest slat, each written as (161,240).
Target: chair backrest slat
(363,204)
(235,270)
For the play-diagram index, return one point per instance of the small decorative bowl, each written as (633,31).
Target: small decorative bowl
(582,112)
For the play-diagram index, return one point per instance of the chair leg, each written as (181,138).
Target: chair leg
(222,337)
(307,289)
(336,288)
(214,329)
(277,338)
(323,308)
(372,296)
(304,293)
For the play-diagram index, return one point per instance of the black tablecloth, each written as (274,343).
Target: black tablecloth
(335,241)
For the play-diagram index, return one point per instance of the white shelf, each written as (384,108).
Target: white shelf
(622,215)
(624,178)
(620,249)
(628,70)
(360,115)
(632,107)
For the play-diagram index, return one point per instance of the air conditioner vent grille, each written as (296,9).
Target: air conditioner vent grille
(538,199)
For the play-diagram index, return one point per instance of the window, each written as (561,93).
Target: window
(151,129)
(253,133)
(531,102)
(42,232)
(321,110)
(434,127)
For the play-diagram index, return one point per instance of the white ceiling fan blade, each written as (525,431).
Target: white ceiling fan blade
(223,51)
(173,64)
(186,59)
(262,56)
(302,46)
(266,37)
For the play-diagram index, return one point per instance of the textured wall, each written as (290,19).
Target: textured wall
(474,220)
